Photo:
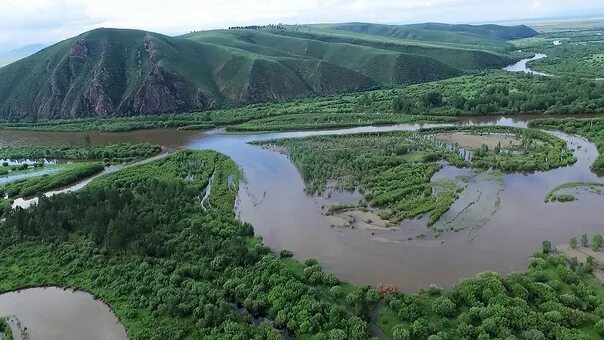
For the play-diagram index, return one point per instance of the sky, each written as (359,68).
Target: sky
(25,22)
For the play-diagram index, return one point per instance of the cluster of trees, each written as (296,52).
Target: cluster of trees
(113,152)
(597,242)
(257,27)
(534,95)
(139,239)
(552,300)
(590,128)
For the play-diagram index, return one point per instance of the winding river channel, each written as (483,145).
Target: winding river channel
(498,236)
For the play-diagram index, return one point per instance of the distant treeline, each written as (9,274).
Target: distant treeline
(256,27)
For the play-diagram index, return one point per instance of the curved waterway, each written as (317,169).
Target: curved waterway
(43,313)
(497,236)
(521,66)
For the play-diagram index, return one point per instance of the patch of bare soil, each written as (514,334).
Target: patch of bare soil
(582,253)
(475,141)
(361,218)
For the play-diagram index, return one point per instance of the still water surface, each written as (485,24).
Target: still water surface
(43,312)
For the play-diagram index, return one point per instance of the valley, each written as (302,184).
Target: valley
(325,181)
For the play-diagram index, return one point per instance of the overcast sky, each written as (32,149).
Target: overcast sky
(47,21)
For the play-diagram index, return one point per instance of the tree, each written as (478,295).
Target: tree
(597,242)
(286,254)
(443,306)
(546,246)
(573,242)
(401,104)
(599,326)
(433,99)
(584,241)
(399,332)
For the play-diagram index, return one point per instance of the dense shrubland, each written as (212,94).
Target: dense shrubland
(554,299)
(393,170)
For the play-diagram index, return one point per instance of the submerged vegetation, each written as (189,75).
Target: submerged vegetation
(394,170)
(558,194)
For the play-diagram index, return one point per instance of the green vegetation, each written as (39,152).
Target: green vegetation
(393,170)
(552,300)
(149,73)
(139,239)
(592,129)
(576,53)
(555,195)
(5,329)
(330,121)
(495,92)
(111,153)
(492,37)
(33,186)
(538,150)
(67,173)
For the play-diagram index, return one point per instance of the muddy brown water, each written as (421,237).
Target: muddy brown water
(43,312)
(493,236)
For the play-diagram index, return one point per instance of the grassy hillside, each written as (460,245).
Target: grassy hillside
(115,72)
(492,37)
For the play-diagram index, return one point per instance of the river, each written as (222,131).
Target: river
(522,66)
(272,198)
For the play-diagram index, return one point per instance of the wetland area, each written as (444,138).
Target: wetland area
(499,218)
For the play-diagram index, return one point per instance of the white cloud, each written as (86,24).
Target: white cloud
(31,21)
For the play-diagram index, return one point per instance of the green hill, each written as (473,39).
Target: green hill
(492,37)
(117,72)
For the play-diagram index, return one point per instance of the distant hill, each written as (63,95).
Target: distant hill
(474,36)
(117,72)
(7,57)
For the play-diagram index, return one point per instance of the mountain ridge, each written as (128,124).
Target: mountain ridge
(122,72)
